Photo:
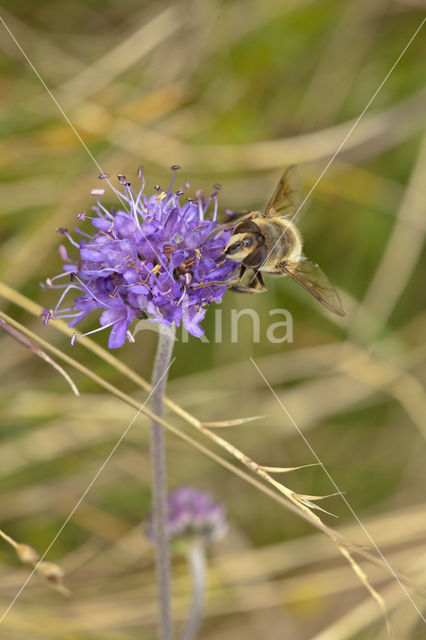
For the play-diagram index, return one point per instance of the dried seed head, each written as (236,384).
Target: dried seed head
(26,554)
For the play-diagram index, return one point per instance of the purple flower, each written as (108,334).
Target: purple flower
(152,258)
(193,513)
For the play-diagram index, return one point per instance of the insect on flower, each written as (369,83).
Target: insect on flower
(270,243)
(152,258)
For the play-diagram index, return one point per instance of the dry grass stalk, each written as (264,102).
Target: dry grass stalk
(302,504)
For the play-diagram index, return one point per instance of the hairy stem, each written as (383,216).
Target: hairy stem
(197,564)
(159,487)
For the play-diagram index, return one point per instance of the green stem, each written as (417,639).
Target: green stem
(163,356)
(196,555)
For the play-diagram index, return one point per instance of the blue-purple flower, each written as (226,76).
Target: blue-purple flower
(192,512)
(152,258)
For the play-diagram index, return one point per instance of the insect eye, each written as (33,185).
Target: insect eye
(247,242)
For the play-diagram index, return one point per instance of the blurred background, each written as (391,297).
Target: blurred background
(233,91)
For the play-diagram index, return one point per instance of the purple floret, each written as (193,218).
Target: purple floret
(150,259)
(193,513)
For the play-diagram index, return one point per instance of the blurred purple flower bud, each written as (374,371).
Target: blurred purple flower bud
(192,512)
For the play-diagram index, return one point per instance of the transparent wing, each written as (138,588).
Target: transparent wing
(310,276)
(287,196)
(237,217)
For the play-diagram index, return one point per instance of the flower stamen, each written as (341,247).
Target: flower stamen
(151,259)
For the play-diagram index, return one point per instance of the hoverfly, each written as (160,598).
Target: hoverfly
(270,243)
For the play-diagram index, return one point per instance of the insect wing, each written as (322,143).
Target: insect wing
(310,276)
(236,216)
(287,196)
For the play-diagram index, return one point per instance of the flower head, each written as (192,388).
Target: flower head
(152,258)
(193,513)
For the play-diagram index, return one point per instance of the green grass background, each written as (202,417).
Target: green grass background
(233,91)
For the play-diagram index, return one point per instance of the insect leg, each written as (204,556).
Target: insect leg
(243,269)
(260,281)
(256,285)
